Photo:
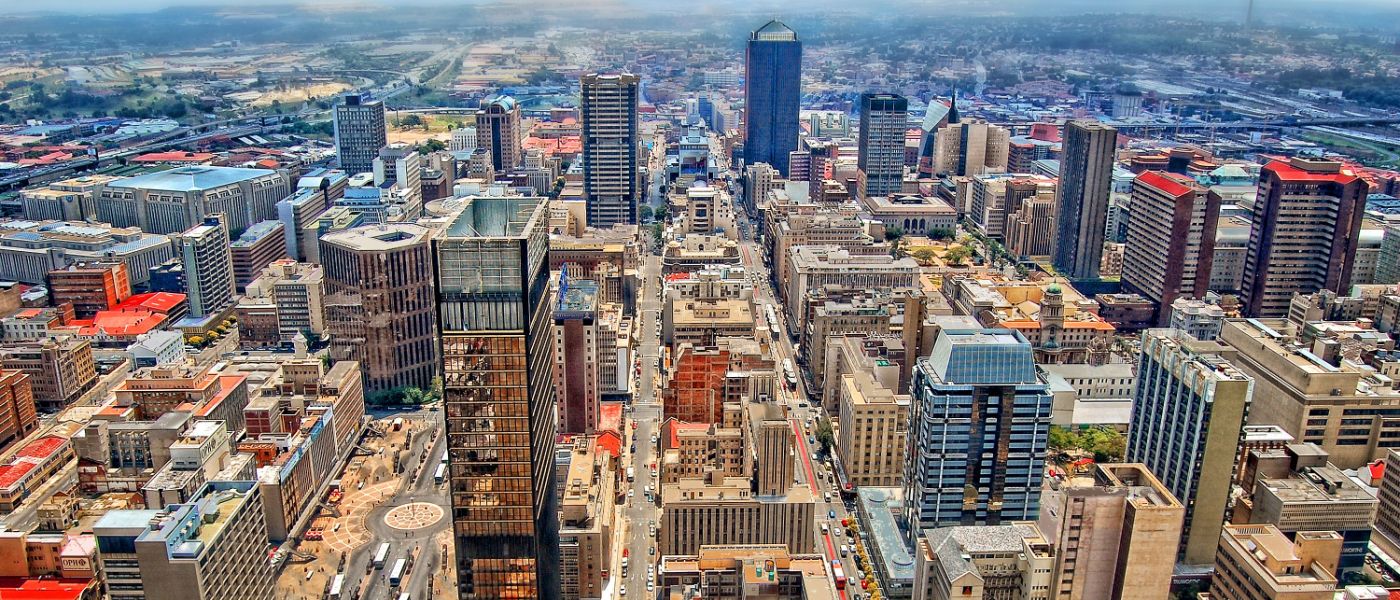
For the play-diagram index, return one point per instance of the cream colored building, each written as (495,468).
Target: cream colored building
(703,322)
(587,515)
(986,562)
(1348,408)
(874,423)
(699,512)
(1258,562)
(746,572)
(1108,530)
(972,147)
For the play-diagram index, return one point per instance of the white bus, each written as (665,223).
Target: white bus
(336,584)
(789,375)
(441,473)
(381,555)
(396,575)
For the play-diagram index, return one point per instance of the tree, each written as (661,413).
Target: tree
(196,340)
(825,436)
(644,213)
(1061,438)
(412,121)
(957,255)
(942,233)
(432,145)
(893,233)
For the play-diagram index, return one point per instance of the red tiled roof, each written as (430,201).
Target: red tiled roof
(159,302)
(227,383)
(610,441)
(45,588)
(1377,471)
(181,157)
(1288,172)
(1171,183)
(610,417)
(119,323)
(42,448)
(13,473)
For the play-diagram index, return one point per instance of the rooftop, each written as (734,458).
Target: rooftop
(189,179)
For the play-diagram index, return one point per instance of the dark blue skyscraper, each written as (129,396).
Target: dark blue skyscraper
(772,89)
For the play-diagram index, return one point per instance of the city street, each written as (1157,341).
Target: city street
(645,418)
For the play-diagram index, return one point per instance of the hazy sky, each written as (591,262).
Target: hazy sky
(1184,8)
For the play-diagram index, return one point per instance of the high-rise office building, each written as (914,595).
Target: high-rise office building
(609,112)
(772,95)
(973,147)
(379,303)
(498,132)
(208,261)
(1306,234)
(1170,247)
(978,424)
(1086,176)
(495,324)
(576,355)
(1188,413)
(880,163)
(359,133)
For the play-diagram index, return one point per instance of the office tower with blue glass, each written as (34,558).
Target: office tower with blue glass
(772,92)
(979,422)
(1189,411)
(495,326)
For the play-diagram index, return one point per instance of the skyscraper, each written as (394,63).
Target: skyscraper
(208,260)
(1086,174)
(498,132)
(1305,235)
(379,303)
(576,355)
(978,425)
(972,147)
(609,111)
(495,324)
(880,164)
(1170,248)
(772,95)
(1188,412)
(359,133)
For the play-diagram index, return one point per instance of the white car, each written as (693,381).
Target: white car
(622,591)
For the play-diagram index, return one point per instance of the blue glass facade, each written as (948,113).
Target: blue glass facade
(978,431)
(772,91)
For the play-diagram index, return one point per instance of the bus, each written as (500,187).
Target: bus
(441,473)
(789,375)
(772,320)
(405,596)
(381,555)
(336,584)
(396,575)
(838,574)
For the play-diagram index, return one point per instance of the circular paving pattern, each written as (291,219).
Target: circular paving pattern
(413,516)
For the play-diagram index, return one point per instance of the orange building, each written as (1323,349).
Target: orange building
(17,416)
(696,390)
(90,287)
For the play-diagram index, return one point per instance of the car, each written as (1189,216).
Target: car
(831,514)
(651,586)
(634,448)
(631,493)
(651,551)
(622,591)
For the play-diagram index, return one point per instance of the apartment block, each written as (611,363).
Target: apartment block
(90,287)
(1170,247)
(60,369)
(874,423)
(212,548)
(587,519)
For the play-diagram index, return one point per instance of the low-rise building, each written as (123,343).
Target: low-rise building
(60,369)
(983,562)
(1258,562)
(746,572)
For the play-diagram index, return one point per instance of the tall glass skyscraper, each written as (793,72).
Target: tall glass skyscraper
(772,91)
(495,323)
(609,111)
(979,423)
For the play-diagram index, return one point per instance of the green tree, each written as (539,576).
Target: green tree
(893,233)
(411,121)
(825,436)
(1061,438)
(644,213)
(432,145)
(957,255)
